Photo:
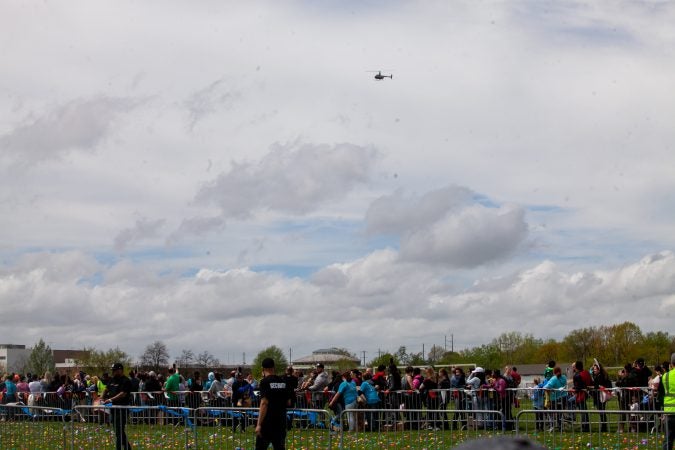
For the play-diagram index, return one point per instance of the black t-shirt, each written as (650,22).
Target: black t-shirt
(275,390)
(291,385)
(117,385)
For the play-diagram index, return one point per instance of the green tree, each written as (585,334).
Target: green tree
(508,343)
(274,352)
(343,364)
(527,351)
(155,356)
(450,358)
(96,362)
(548,351)
(41,358)
(624,339)
(581,344)
(488,356)
(656,347)
(382,359)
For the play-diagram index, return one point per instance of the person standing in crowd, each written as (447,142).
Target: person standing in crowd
(556,389)
(209,379)
(601,384)
(548,372)
(667,399)
(582,380)
(380,378)
(475,381)
(624,380)
(172,386)
(392,398)
(215,390)
(118,393)
(653,388)
(291,384)
(503,400)
(320,382)
(274,399)
(241,396)
(458,384)
(429,391)
(347,392)
(639,374)
(368,390)
(538,398)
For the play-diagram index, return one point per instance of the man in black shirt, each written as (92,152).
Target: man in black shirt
(274,398)
(118,392)
(291,385)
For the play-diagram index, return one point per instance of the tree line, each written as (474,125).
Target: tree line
(612,345)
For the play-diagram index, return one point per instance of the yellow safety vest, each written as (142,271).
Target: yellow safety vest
(669,389)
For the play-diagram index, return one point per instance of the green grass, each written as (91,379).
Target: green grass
(51,435)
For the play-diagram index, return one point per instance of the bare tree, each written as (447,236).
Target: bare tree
(206,359)
(186,358)
(155,356)
(436,353)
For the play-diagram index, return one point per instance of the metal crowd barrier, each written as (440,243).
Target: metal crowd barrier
(31,427)
(570,428)
(438,419)
(412,428)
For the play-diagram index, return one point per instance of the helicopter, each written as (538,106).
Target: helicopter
(379,75)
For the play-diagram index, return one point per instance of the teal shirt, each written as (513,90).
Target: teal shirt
(348,392)
(556,383)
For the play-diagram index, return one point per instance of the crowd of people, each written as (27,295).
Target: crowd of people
(385,387)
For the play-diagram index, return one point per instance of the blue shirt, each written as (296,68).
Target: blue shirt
(556,383)
(10,388)
(370,392)
(348,392)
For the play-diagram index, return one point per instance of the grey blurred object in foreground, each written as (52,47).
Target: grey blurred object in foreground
(501,443)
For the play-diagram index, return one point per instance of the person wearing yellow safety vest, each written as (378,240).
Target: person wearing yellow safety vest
(667,397)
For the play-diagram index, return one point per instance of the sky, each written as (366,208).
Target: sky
(226,176)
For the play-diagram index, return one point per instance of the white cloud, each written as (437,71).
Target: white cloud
(378,298)
(447,227)
(293,179)
(77,125)
(195,226)
(564,110)
(143,229)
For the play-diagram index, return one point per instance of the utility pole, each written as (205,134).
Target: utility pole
(423,351)
(445,343)
(290,355)
(364,358)
(243,357)
(452,343)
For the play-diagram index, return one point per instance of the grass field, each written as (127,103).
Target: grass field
(58,435)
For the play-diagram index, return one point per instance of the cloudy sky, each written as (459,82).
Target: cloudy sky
(225,176)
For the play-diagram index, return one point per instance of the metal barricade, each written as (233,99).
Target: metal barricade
(33,427)
(232,428)
(94,427)
(394,425)
(413,428)
(572,428)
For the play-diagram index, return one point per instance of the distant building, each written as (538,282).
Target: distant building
(326,356)
(13,357)
(65,359)
(528,372)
